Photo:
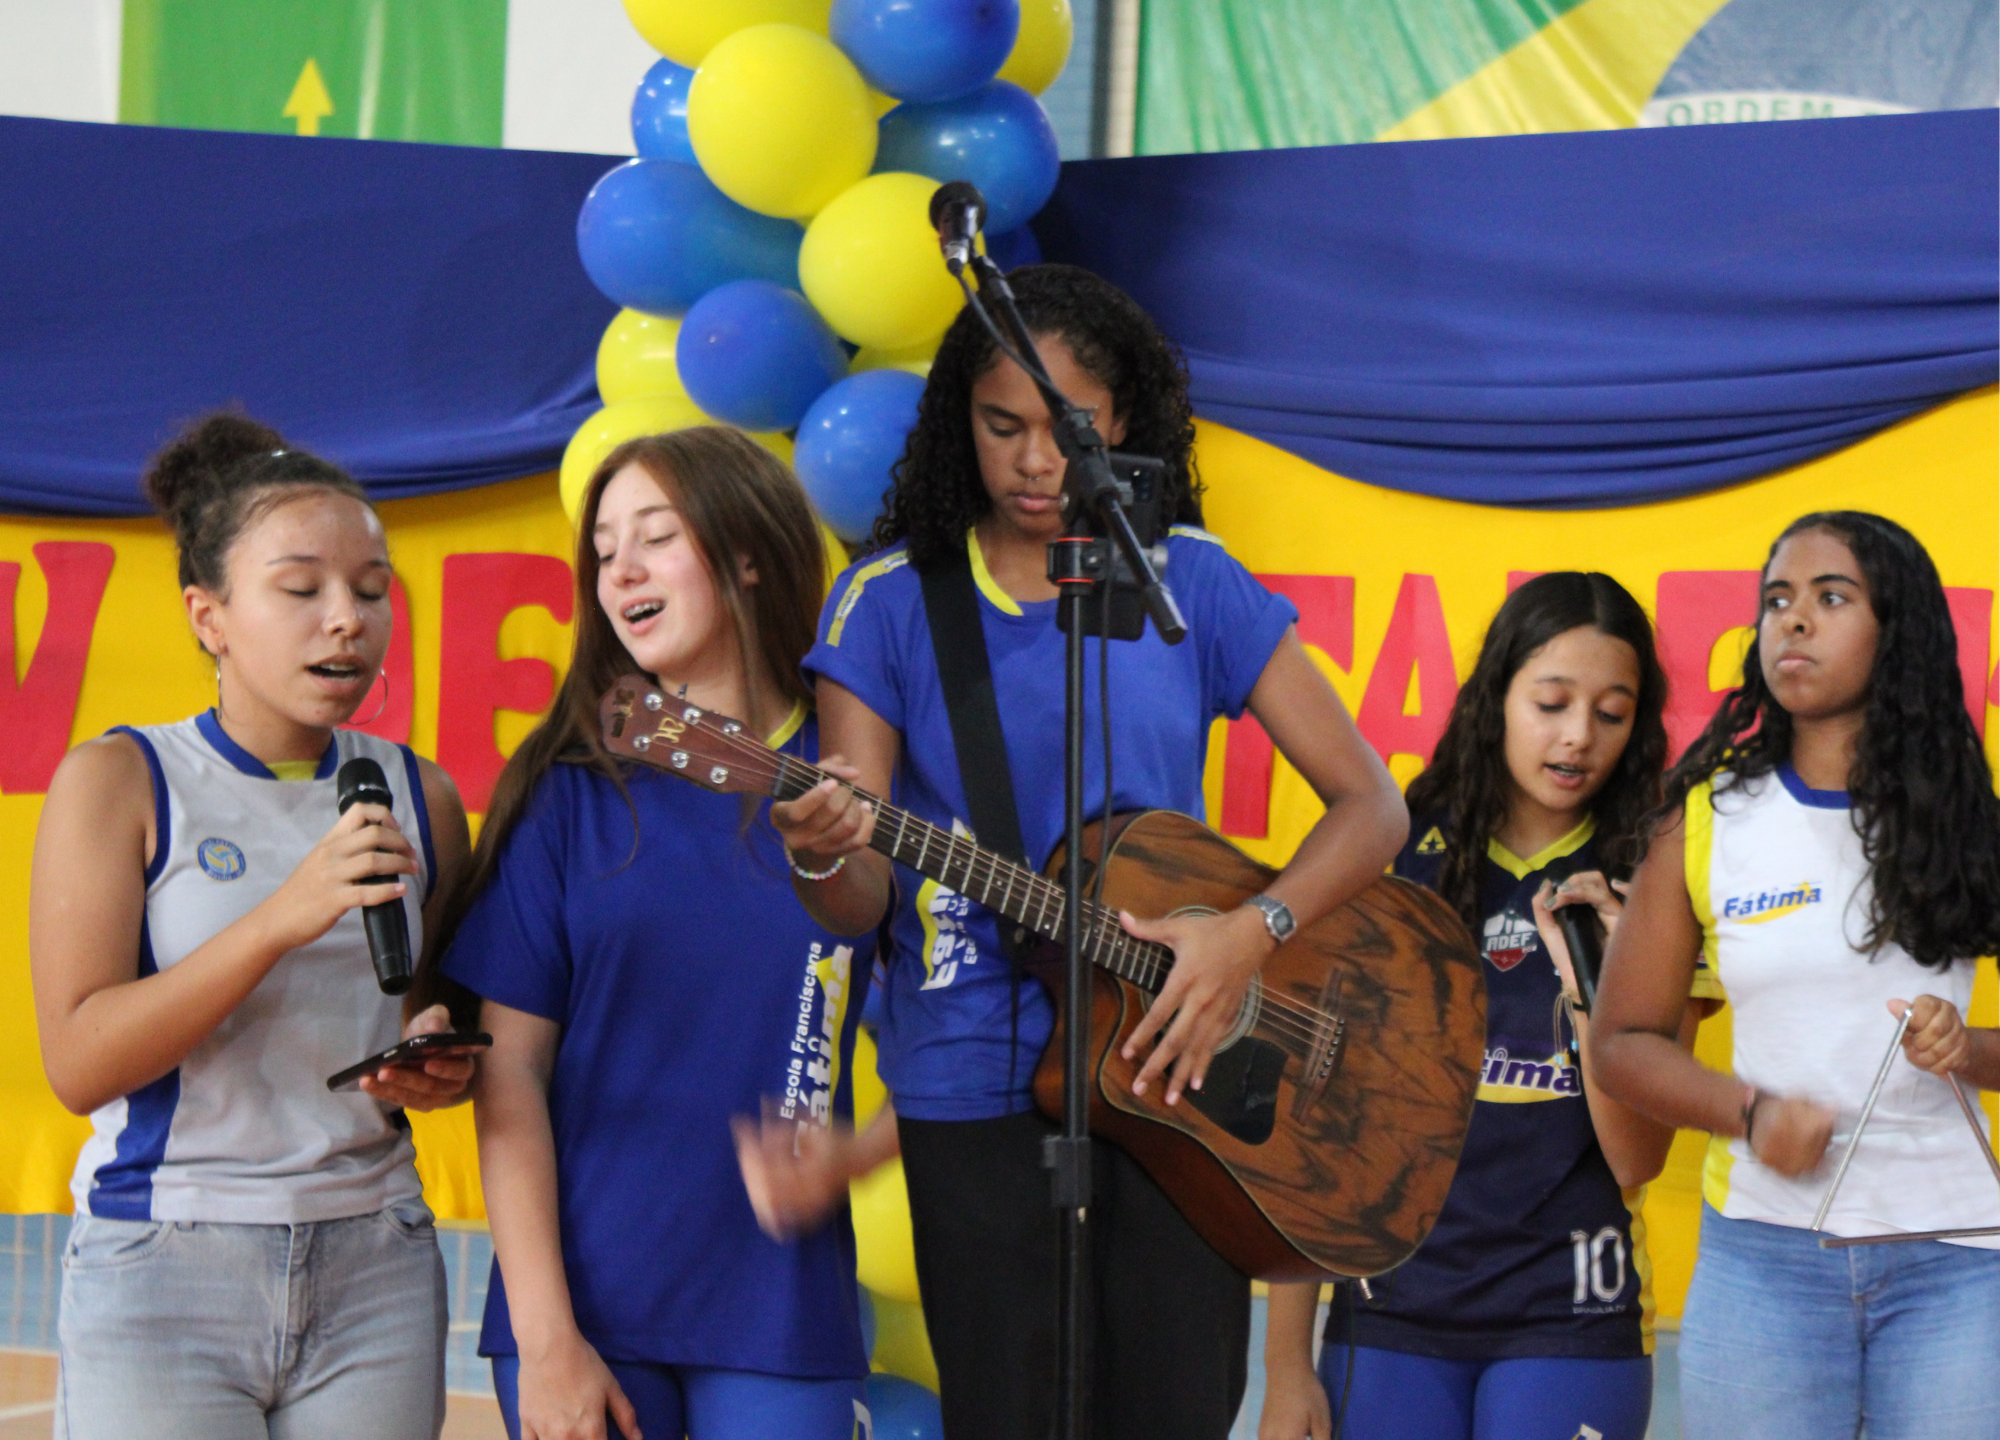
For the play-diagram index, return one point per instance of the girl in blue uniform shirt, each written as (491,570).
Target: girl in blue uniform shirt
(252,1255)
(1521,1317)
(1831,845)
(980,483)
(648,979)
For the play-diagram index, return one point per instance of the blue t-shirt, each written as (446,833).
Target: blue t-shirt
(1534,1252)
(691,987)
(947,1008)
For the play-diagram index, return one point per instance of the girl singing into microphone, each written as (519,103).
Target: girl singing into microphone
(251,1254)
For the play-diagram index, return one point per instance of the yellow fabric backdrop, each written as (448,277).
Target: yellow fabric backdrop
(1281,516)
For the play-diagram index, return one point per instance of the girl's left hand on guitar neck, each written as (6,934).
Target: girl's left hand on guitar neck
(1215,959)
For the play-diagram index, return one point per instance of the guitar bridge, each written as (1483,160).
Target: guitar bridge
(1325,1045)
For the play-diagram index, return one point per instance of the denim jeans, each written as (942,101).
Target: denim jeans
(1782,1340)
(184,1331)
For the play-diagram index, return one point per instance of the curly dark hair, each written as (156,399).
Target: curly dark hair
(1467,782)
(937,494)
(1921,792)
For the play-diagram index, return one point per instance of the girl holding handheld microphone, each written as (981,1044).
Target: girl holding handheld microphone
(252,1255)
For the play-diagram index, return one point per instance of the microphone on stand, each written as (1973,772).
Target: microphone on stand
(958,211)
(361,782)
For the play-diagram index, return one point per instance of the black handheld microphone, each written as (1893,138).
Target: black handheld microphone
(957,212)
(361,782)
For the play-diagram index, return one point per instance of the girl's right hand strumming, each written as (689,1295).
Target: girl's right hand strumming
(1788,1134)
(566,1391)
(828,821)
(329,881)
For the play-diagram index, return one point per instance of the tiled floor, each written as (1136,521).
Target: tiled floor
(31,1279)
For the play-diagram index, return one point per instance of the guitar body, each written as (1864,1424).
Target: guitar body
(1329,1124)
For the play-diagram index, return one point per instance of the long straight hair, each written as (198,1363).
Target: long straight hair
(1921,792)
(739,504)
(1467,784)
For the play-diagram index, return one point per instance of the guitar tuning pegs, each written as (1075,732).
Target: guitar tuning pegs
(680,759)
(732,728)
(717,775)
(691,714)
(641,742)
(654,702)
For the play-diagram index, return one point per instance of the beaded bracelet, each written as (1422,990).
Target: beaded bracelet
(805,874)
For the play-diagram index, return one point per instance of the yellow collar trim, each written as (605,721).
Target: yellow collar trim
(982,577)
(293,769)
(1521,869)
(791,726)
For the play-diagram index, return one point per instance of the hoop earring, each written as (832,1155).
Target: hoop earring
(383,676)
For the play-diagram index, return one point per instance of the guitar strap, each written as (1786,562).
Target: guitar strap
(958,641)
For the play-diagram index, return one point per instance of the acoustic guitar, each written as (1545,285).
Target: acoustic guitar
(1327,1129)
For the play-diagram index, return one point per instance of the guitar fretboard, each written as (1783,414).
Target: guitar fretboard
(1008,889)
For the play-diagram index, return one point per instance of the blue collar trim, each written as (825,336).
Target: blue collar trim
(218,738)
(1806,795)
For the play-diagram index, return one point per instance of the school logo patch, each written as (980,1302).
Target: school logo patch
(1508,939)
(1431,844)
(220,859)
(1764,906)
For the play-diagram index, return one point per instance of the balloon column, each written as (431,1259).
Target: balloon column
(771,244)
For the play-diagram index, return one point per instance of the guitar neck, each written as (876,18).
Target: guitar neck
(1001,885)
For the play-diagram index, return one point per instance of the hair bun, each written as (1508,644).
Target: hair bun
(200,456)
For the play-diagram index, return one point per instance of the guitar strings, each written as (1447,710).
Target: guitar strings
(1143,962)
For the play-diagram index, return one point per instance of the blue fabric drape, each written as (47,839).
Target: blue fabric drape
(1551,320)
(416,312)
(1565,320)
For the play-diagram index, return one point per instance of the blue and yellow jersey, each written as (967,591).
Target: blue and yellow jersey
(1537,1251)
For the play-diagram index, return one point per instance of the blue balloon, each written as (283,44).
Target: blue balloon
(655,235)
(660,114)
(998,137)
(902,1409)
(1014,249)
(926,49)
(757,355)
(848,442)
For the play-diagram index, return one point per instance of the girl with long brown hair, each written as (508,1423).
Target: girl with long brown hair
(648,979)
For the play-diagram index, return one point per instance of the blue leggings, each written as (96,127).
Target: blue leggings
(1416,1397)
(678,1400)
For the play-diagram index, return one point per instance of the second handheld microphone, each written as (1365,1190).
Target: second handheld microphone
(957,212)
(360,781)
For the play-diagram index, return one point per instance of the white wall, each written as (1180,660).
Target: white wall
(59,58)
(572,67)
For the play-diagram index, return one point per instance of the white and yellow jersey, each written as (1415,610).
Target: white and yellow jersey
(1781,887)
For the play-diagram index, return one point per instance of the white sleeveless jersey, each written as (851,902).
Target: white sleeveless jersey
(244,1130)
(1781,887)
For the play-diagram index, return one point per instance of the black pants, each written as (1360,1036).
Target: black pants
(1171,1331)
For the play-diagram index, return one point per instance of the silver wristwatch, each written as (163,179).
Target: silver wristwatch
(1277,917)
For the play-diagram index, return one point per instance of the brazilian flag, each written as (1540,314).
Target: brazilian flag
(365,69)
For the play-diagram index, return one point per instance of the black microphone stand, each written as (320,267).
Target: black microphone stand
(1083,568)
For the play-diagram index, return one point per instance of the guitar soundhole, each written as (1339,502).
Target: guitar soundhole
(1240,1092)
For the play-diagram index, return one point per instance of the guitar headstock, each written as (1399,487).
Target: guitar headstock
(639,721)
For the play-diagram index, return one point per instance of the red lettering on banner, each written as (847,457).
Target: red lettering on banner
(1695,609)
(392,703)
(37,711)
(1417,643)
(480,592)
(1972,618)
(1326,622)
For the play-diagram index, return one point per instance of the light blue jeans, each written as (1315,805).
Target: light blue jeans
(1782,1340)
(182,1331)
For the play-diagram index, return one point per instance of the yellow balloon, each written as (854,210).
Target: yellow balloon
(916,359)
(836,561)
(870,264)
(781,120)
(636,357)
(885,1255)
(902,1342)
(881,104)
(1042,47)
(686,30)
(612,426)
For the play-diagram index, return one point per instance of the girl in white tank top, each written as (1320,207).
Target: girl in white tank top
(1831,844)
(247,1243)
